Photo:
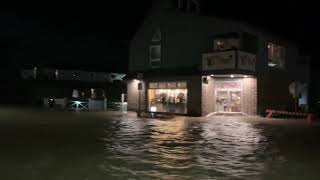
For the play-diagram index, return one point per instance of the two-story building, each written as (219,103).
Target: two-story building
(196,65)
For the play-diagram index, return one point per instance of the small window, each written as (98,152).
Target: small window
(193,7)
(172,85)
(226,44)
(182,85)
(155,56)
(155,53)
(276,55)
(156,35)
(162,85)
(153,85)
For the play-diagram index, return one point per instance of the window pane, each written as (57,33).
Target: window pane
(172,85)
(155,53)
(181,85)
(276,55)
(162,85)
(168,100)
(153,85)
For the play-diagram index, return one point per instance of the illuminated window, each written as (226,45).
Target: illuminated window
(226,44)
(168,97)
(153,85)
(181,85)
(172,85)
(276,55)
(162,85)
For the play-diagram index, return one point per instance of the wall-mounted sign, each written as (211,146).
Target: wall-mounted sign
(228,84)
(219,60)
(246,61)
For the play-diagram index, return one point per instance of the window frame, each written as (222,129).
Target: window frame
(156,60)
(279,63)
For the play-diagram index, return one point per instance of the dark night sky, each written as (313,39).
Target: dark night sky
(96,35)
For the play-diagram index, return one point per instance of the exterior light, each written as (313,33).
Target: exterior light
(232,76)
(77,102)
(153,109)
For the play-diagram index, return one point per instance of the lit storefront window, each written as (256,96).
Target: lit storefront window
(168,97)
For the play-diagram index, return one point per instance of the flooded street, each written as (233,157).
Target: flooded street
(92,146)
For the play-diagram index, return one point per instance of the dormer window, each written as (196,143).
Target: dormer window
(156,35)
(155,56)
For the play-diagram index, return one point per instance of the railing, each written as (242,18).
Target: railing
(228,60)
(118,106)
(77,105)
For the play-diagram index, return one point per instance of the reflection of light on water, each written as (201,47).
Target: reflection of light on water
(233,147)
(185,147)
(168,142)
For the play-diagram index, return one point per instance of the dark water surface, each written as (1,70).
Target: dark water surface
(93,146)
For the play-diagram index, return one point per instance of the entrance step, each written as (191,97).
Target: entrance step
(227,114)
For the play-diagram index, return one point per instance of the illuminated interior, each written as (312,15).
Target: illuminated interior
(228,96)
(168,97)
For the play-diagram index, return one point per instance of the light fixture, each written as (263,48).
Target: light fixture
(245,76)
(153,109)
(77,102)
(212,75)
(232,76)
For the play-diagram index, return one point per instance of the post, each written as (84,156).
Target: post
(139,103)
(139,89)
(105,104)
(139,106)
(122,102)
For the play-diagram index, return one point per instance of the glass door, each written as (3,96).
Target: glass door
(228,101)
(235,101)
(222,101)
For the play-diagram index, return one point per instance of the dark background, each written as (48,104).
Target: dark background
(95,35)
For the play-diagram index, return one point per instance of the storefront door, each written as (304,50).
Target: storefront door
(228,101)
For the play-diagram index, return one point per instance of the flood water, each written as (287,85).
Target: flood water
(93,146)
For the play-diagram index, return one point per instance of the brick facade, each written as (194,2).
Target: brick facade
(133,95)
(248,96)
(208,97)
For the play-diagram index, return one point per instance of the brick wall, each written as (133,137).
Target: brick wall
(208,97)
(133,95)
(249,96)
(194,95)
